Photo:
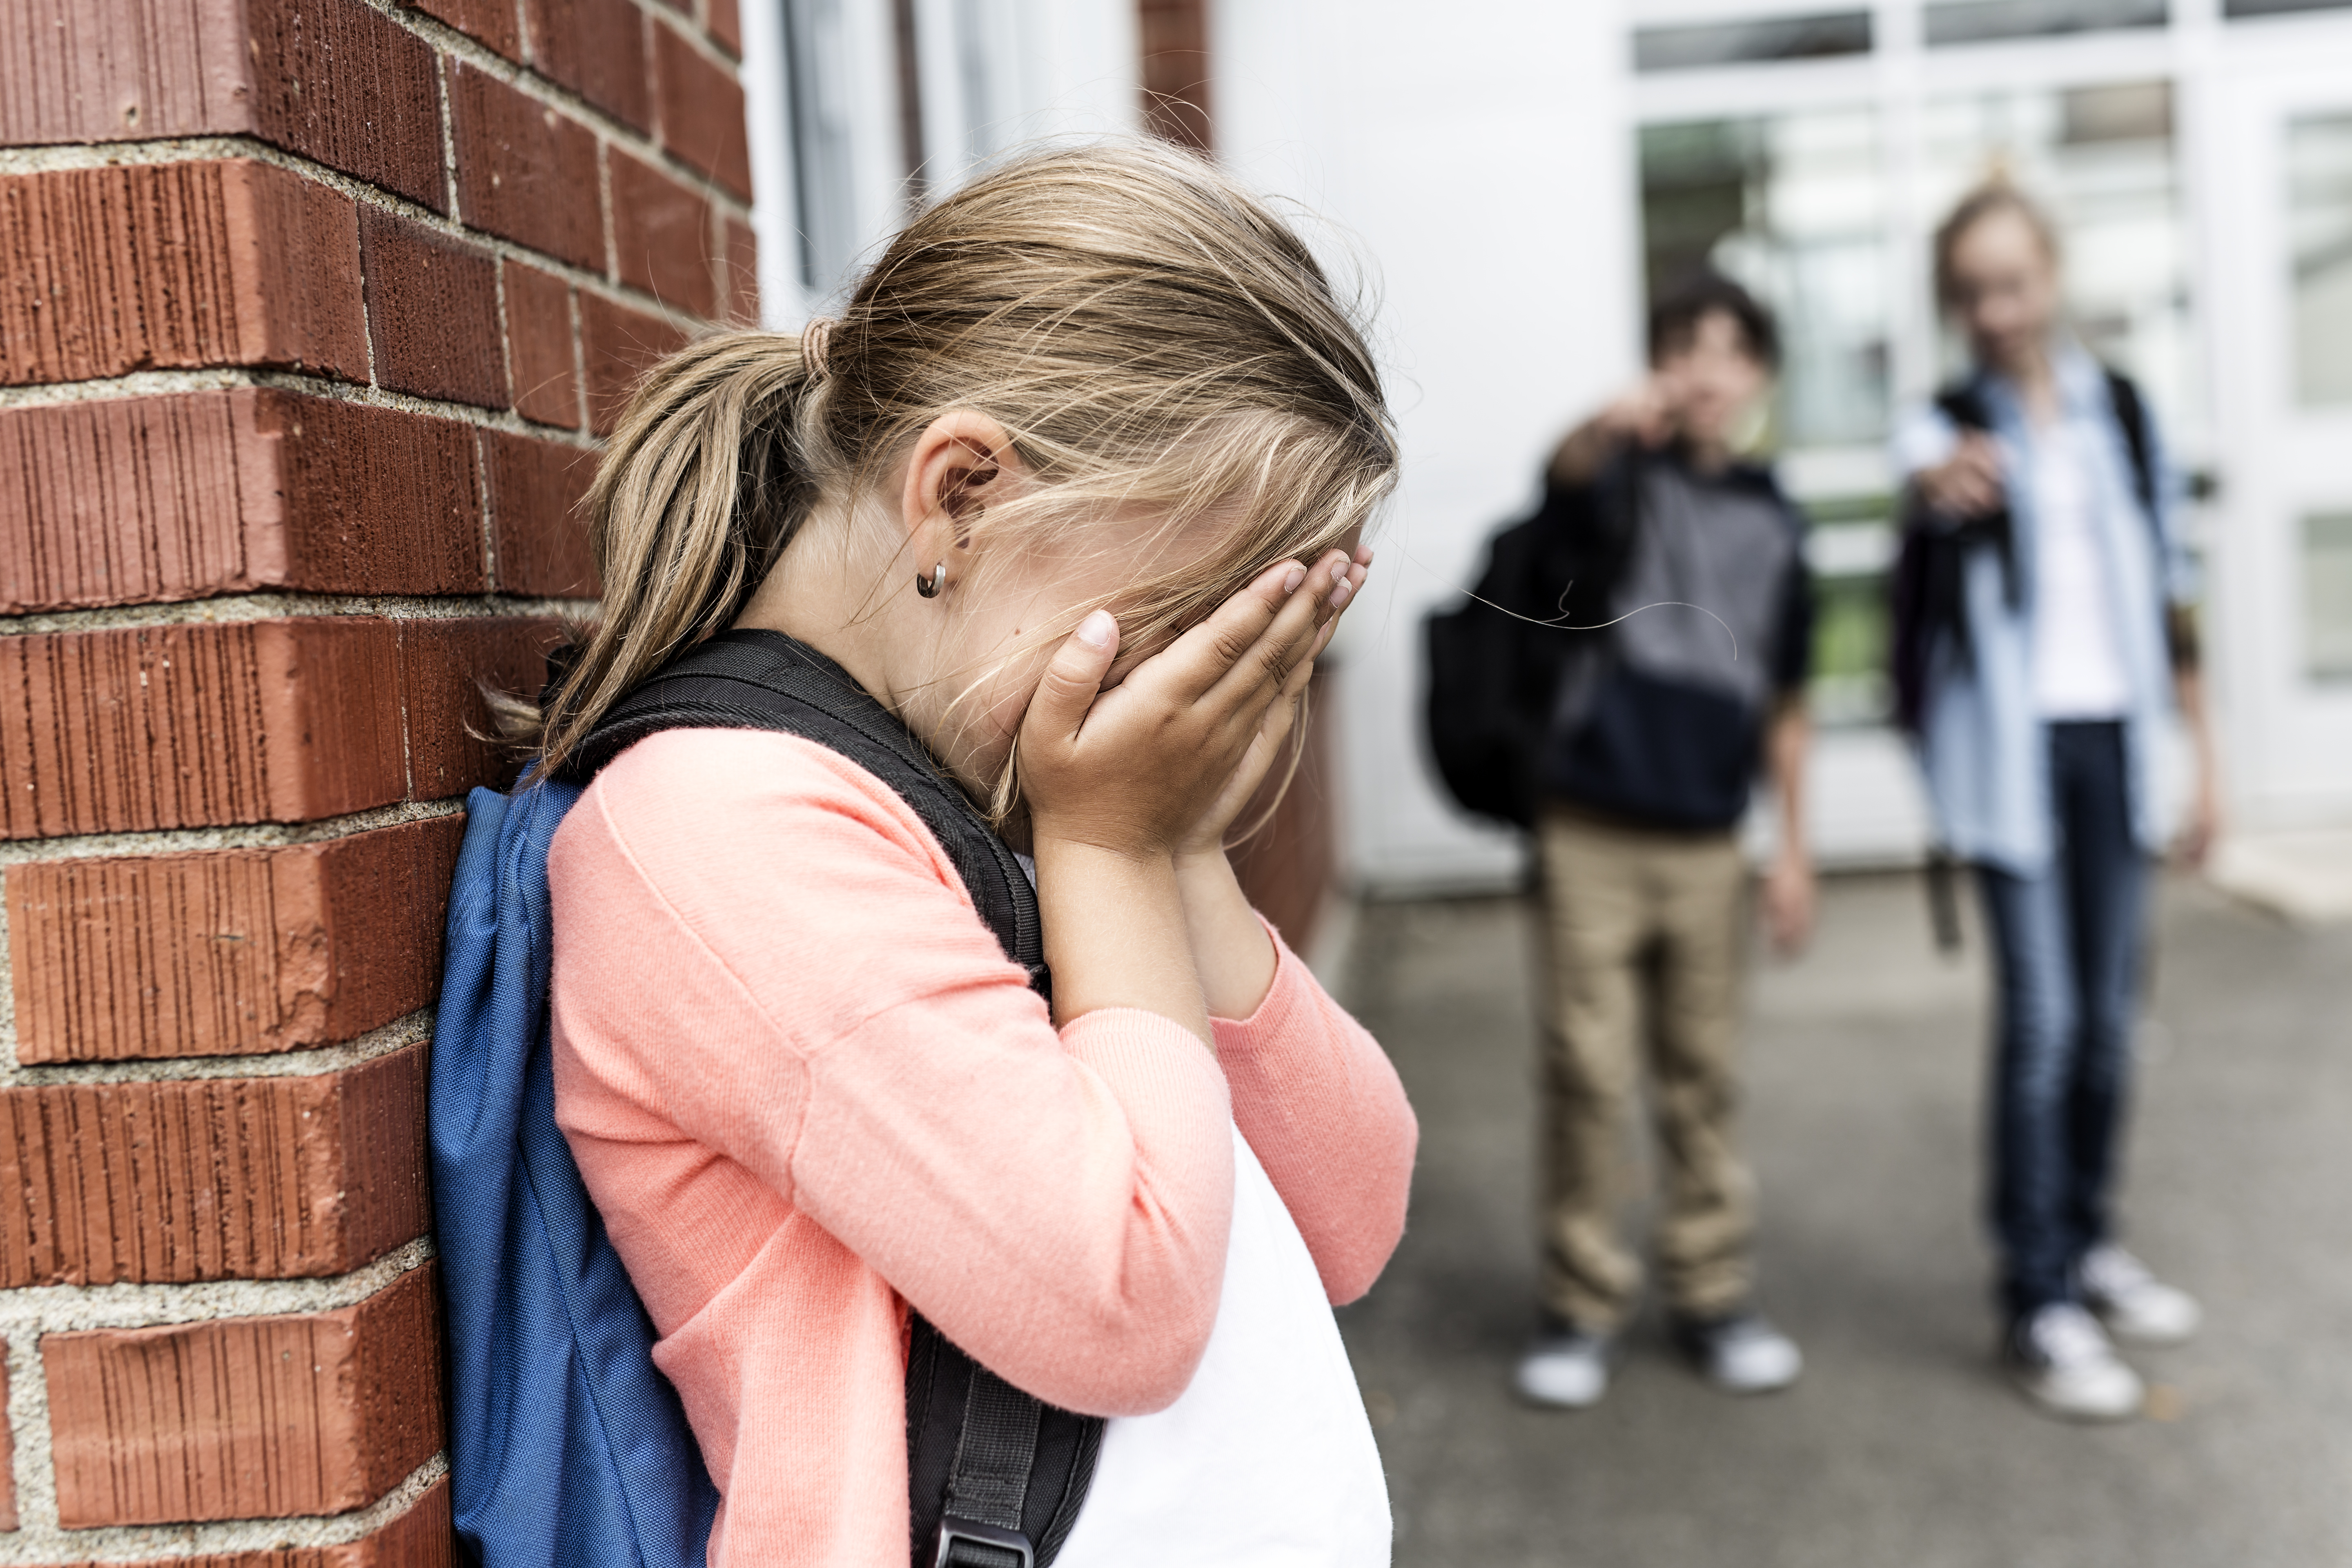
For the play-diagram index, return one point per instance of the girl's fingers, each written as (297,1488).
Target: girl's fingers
(1073,678)
(1203,657)
(1359,571)
(1267,665)
(1356,573)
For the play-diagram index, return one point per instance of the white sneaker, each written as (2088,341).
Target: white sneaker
(2137,1308)
(2065,1364)
(1566,1367)
(1741,1353)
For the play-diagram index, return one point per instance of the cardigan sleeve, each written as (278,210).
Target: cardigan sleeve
(1325,1113)
(760,949)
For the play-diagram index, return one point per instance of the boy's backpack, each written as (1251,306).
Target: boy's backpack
(1925,590)
(1495,662)
(567,1446)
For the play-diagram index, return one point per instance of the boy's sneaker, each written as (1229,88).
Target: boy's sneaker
(1566,1367)
(2137,1308)
(1741,1352)
(2065,1364)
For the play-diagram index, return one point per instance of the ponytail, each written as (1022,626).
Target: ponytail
(697,495)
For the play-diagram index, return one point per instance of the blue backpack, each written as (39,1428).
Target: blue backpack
(567,1447)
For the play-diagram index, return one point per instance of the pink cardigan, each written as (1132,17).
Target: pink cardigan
(805,1089)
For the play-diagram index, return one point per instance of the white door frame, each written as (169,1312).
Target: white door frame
(2288,741)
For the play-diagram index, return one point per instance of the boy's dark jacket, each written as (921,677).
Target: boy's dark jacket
(1496,663)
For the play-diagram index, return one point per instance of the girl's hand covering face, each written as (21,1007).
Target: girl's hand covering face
(1272,741)
(1162,764)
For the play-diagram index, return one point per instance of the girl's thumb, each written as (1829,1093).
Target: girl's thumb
(1075,676)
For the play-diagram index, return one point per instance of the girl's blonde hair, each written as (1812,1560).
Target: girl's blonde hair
(1996,194)
(1160,345)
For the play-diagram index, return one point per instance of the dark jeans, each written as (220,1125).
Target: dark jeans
(2066,949)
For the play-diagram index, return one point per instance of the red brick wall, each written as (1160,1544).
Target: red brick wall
(311,313)
(1176,70)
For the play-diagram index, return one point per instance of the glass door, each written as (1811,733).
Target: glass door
(2280,249)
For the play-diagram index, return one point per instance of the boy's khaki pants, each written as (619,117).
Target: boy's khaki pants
(1644,937)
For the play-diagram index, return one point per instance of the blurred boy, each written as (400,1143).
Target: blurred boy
(1686,562)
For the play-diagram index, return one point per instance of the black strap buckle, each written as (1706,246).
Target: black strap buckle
(953,1529)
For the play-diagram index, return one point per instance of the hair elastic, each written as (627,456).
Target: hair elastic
(932,586)
(816,338)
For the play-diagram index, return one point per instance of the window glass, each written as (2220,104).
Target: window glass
(2327,596)
(2319,228)
(1794,207)
(1738,43)
(816,59)
(2278,7)
(1980,21)
(976,72)
(1848,548)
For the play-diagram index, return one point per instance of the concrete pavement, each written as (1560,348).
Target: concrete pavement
(1902,1448)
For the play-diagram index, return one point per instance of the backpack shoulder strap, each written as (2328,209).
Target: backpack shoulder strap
(2131,414)
(995,1474)
(1962,401)
(765,680)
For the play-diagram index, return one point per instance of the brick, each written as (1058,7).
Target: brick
(490,22)
(375,501)
(227,953)
(341,83)
(661,237)
(535,493)
(726,27)
(616,344)
(739,273)
(541,352)
(420,1538)
(433,311)
(104,271)
(525,171)
(142,499)
(330,79)
(143,728)
(200,1179)
(597,48)
(245,1418)
(104,72)
(701,111)
(443,667)
(8,1520)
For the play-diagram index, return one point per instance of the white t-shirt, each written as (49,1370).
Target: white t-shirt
(2078,665)
(1266,1460)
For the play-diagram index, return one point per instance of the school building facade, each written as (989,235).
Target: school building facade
(1504,181)
(1521,173)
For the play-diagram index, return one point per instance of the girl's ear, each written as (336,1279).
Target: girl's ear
(961,461)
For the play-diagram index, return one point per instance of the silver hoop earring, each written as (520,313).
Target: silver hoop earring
(931,587)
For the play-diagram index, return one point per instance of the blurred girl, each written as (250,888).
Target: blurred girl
(1074,488)
(2041,705)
